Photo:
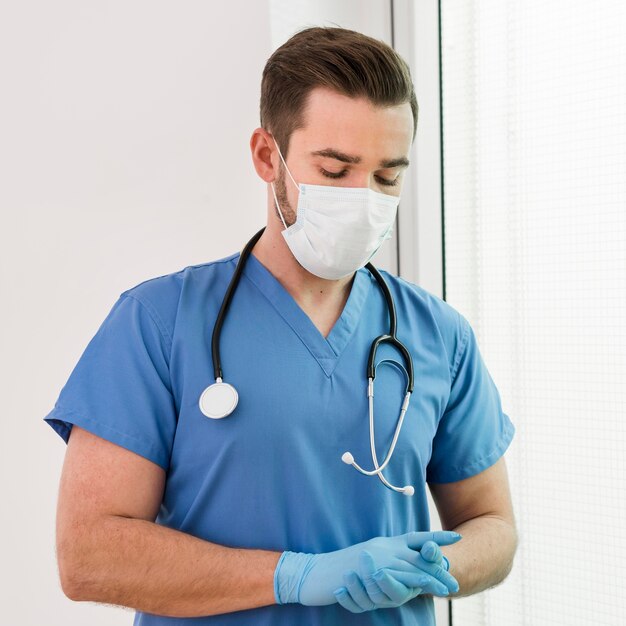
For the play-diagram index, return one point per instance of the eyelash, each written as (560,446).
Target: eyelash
(382,181)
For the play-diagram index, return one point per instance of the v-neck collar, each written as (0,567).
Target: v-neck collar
(325,350)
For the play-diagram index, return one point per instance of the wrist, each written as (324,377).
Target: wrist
(276,583)
(291,570)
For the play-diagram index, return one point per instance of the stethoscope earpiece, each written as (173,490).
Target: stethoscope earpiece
(347,458)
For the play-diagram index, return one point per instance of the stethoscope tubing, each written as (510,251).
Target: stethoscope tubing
(217,329)
(371,364)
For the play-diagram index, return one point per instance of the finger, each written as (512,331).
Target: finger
(440,574)
(393,588)
(433,569)
(417,539)
(343,598)
(416,579)
(409,579)
(367,569)
(357,591)
(431,552)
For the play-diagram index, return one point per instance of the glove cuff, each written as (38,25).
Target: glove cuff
(290,572)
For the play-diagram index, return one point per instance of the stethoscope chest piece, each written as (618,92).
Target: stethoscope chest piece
(218,400)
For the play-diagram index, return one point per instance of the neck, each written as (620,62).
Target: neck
(322,300)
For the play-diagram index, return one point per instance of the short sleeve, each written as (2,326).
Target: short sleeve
(473,432)
(120,388)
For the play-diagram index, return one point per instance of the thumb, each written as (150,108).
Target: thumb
(416,539)
(431,552)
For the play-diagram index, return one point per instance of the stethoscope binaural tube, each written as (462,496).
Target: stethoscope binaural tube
(347,457)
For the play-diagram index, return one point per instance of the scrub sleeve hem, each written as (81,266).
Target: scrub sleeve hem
(61,420)
(454,474)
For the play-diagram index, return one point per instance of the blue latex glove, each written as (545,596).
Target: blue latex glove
(431,552)
(311,579)
(376,588)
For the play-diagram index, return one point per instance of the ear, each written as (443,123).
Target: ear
(264,155)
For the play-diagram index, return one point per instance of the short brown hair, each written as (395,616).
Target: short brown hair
(343,60)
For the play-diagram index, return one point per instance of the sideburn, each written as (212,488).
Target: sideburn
(289,214)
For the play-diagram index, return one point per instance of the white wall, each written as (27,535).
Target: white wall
(124,130)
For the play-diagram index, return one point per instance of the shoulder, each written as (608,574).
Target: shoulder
(161,295)
(415,300)
(426,312)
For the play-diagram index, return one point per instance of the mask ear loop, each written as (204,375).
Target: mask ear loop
(280,154)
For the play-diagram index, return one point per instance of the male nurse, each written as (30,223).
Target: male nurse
(254,518)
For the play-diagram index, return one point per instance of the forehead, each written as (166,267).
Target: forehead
(355,125)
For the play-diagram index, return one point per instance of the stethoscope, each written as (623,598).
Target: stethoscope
(220,399)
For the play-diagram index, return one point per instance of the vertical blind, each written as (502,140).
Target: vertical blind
(534,164)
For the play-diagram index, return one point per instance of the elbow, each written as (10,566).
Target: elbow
(507,570)
(69,581)
(83,559)
(77,587)
(514,541)
(70,567)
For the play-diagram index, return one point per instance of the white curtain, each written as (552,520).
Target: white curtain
(534,149)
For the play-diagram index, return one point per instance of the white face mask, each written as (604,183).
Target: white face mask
(337,229)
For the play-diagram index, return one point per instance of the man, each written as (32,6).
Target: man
(254,518)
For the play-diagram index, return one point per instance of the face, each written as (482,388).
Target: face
(345,142)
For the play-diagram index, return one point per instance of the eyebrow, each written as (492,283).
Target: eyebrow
(346,158)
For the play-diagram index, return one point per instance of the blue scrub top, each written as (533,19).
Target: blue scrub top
(270,475)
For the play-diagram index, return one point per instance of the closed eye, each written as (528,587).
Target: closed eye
(380,179)
(334,174)
(387,182)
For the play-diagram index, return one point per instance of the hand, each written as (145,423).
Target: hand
(311,579)
(383,588)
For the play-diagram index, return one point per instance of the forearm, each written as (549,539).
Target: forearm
(484,557)
(148,567)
